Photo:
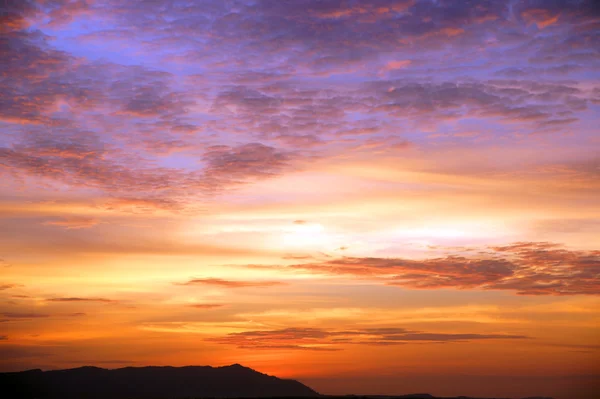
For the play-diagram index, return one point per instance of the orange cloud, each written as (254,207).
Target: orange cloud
(80,299)
(76,222)
(334,10)
(451,32)
(394,65)
(529,268)
(129,204)
(541,17)
(206,305)
(17,315)
(230,283)
(331,340)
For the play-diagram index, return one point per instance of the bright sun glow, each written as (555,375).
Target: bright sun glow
(310,236)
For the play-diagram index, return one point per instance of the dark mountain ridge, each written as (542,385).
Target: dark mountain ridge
(418,396)
(149,383)
(167,382)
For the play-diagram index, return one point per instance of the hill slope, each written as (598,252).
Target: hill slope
(148,383)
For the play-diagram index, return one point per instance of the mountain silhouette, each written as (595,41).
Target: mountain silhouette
(149,383)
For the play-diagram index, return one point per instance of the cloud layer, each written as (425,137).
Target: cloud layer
(268,87)
(230,283)
(331,340)
(529,268)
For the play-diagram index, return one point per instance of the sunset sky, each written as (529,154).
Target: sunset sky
(384,196)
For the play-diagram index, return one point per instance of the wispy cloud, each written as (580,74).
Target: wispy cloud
(230,283)
(18,315)
(206,306)
(73,222)
(80,299)
(325,339)
(529,268)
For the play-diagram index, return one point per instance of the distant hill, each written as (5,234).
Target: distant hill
(190,382)
(233,381)
(413,396)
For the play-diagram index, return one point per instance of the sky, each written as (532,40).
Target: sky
(382,197)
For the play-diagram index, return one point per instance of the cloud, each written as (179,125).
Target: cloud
(294,257)
(245,99)
(290,82)
(112,125)
(13,16)
(449,337)
(420,104)
(28,237)
(142,205)
(3,337)
(547,14)
(206,306)
(115,362)
(80,299)
(8,351)
(94,171)
(578,346)
(227,165)
(230,283)
(153,100)
(336,9)
(528,268)
(156,188)
(16,315)
(73,222)
(8,286)
(324,339)
(394,65)
(492,99)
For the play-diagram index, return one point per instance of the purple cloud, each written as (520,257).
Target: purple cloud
(244,91)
